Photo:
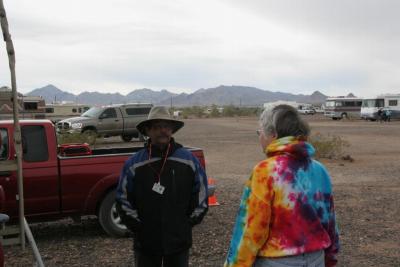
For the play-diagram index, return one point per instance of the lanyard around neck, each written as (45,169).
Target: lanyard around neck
(163,164)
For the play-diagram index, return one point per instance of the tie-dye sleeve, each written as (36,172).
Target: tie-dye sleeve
(333,249)
(252,225)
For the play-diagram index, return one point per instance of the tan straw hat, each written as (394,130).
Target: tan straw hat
(156,114)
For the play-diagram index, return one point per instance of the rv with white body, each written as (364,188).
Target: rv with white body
(342,107)
(370,106)
(60,111)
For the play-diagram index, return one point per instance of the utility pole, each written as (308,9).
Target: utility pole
(17,127)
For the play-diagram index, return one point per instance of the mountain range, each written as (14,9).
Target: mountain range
(221,96)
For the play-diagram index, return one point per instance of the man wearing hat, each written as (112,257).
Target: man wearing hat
(162,193)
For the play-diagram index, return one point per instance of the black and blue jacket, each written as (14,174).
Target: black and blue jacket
(162,223)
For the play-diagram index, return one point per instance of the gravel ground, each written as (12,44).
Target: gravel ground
(366,196)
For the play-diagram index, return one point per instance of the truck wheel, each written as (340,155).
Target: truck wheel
(126,138)
(90,135)
(109,218)
(344,115)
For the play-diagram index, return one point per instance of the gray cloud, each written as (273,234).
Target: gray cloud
(291,46)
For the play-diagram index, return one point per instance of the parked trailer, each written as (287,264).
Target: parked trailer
(60,111)
(342,107)
(370,106)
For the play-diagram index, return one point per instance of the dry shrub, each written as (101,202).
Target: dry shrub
(328,146)
(68,138)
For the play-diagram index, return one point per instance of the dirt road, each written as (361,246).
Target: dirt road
(366,195)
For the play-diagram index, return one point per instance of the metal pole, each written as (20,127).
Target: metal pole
(32,242)
(17,128)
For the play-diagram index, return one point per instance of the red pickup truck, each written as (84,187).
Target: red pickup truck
(63,181)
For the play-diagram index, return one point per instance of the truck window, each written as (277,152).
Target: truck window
(138,111)
(34,143)
(3,144)
(109,113)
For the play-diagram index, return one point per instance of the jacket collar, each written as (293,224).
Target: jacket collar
(156,152)
(294,146)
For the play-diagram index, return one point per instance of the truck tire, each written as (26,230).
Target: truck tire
(91,135)
(344,116)
(126,138)
(109,218)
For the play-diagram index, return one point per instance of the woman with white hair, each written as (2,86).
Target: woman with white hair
(286,216)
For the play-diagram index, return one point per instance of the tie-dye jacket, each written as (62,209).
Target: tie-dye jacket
(286,208)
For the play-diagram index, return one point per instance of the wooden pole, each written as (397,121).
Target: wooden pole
(17,128)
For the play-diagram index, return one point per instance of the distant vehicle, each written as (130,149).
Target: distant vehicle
(108,121)
(307,111)
(342,107)
(319,109)
(60,111)
(177,113)
(370,106)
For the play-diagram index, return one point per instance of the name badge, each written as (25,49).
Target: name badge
(158,188)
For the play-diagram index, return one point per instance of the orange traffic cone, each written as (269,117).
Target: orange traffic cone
(212,198)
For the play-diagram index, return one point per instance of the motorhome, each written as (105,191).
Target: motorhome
(370,106)
(59,111)
(342,107)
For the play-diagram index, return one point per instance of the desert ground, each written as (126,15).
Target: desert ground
(366,194)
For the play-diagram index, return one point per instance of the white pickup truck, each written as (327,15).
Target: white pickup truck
(307,111)
(110,120)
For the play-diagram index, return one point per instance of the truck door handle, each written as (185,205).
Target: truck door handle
(116,120)
(5,173)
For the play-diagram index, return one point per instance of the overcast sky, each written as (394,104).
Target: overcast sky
(298,46)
